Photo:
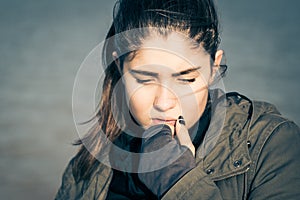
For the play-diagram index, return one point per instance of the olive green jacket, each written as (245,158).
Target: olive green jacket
(256,157)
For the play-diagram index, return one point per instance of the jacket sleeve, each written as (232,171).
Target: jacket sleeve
(278,166)
(178,160)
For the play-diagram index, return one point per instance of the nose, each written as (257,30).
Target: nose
(164,99)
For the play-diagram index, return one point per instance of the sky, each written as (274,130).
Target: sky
(43,44)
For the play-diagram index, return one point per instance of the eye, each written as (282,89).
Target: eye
(188,80)
(142,81)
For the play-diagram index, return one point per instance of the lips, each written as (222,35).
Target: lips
(170,122)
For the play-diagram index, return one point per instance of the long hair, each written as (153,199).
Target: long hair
(197,19)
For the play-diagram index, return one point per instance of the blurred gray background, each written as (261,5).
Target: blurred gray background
(44,42)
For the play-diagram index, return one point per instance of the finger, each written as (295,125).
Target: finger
(183,135)
(172,129)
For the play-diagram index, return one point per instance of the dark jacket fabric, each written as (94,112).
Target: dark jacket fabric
(255,157)
(153,184)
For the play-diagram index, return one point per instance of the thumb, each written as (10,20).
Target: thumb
(183,135)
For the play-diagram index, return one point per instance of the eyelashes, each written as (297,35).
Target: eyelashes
(141,81)
(191,80)
(182,80)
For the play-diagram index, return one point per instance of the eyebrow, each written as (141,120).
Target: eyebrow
(186,71)
(147,73)
(142,72)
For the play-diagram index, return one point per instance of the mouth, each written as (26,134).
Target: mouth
(170,122)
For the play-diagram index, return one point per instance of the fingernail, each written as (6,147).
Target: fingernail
(181,120)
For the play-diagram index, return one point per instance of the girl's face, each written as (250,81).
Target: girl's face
(166,78)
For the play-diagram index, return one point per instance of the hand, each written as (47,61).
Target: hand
(172,163)
(183,135)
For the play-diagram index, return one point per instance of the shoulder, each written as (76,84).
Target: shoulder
(273,146)
(271,133)
(263,118)
(74,188)
(266,121)
(67,189)
(264,126)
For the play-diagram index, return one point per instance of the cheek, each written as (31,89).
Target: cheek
(193,107)
(140,103)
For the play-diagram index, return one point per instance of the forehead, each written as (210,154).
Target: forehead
(174,50)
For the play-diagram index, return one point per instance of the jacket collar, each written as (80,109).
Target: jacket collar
(224,151)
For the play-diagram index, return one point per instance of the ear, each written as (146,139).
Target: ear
(216,66)
(116,59)
(218,57)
